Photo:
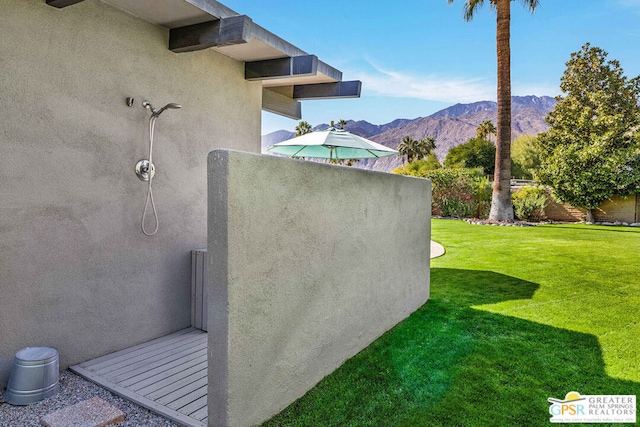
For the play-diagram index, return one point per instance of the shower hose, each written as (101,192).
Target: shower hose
(152,124)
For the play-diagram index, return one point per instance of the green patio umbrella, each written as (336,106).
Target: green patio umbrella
(333,144)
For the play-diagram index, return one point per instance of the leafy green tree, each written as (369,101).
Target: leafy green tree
(525,157)
(501,207)
(485,129)
(303,128)
(477,152)
(431,162)
(592,148)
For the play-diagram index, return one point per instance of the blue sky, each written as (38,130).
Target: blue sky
(416,57)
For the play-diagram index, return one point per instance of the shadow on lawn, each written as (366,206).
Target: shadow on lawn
(449,364)
(593,227)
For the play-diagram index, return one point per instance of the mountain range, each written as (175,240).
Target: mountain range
(450,127)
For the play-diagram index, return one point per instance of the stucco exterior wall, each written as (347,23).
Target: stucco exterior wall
(308,264)
(76,272)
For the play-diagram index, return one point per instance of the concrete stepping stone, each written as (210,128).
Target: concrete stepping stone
(93,412)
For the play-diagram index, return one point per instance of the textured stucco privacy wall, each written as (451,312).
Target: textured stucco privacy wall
(75,270)
(309,263)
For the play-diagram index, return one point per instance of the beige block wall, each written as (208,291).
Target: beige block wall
(617,209)
(557,211)
(76,272)
(309,263)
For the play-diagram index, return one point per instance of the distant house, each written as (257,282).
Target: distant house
(76,272)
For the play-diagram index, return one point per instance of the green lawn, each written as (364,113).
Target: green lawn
(516,315)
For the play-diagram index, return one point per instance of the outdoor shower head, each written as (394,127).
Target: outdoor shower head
(156,113)
(172,105)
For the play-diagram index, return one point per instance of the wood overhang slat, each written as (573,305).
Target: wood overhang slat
(297,66)
(280,104)
(215,33)
(349,89)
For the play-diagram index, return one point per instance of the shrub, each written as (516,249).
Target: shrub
(477,152)
(529,203)
(419,167)
(456,192)
(525,157)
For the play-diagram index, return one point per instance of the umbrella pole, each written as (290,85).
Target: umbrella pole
(296,153)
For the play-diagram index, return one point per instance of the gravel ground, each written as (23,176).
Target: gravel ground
(74,389)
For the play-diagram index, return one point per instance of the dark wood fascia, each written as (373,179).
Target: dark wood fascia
(280,104)
(297,66)
(213,8)
(62,3)
(220,32)
(350,89)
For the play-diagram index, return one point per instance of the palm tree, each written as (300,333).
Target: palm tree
(425,147)
(303,128)
(342,123)
(501,207)
(415,149)
(485,129)
(408,147)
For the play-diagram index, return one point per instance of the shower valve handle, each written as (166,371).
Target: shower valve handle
(142,170)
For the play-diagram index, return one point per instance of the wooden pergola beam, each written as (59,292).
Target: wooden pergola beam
(280,104)
(350,89)
(220,32)
(62,3)
(297,66)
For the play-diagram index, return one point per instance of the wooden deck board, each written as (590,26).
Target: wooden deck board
(178,389)
(167,375)
(185,369)
(153,373)
(186,399)
(196,405)
(154,362)
(99,362)
(200,414)
(166,385)
(149,355)
(182,391)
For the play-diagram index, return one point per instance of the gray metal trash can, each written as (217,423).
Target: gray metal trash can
(34,376)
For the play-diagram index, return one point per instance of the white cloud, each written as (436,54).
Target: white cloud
(633,4)
(630,3)
(430,87)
